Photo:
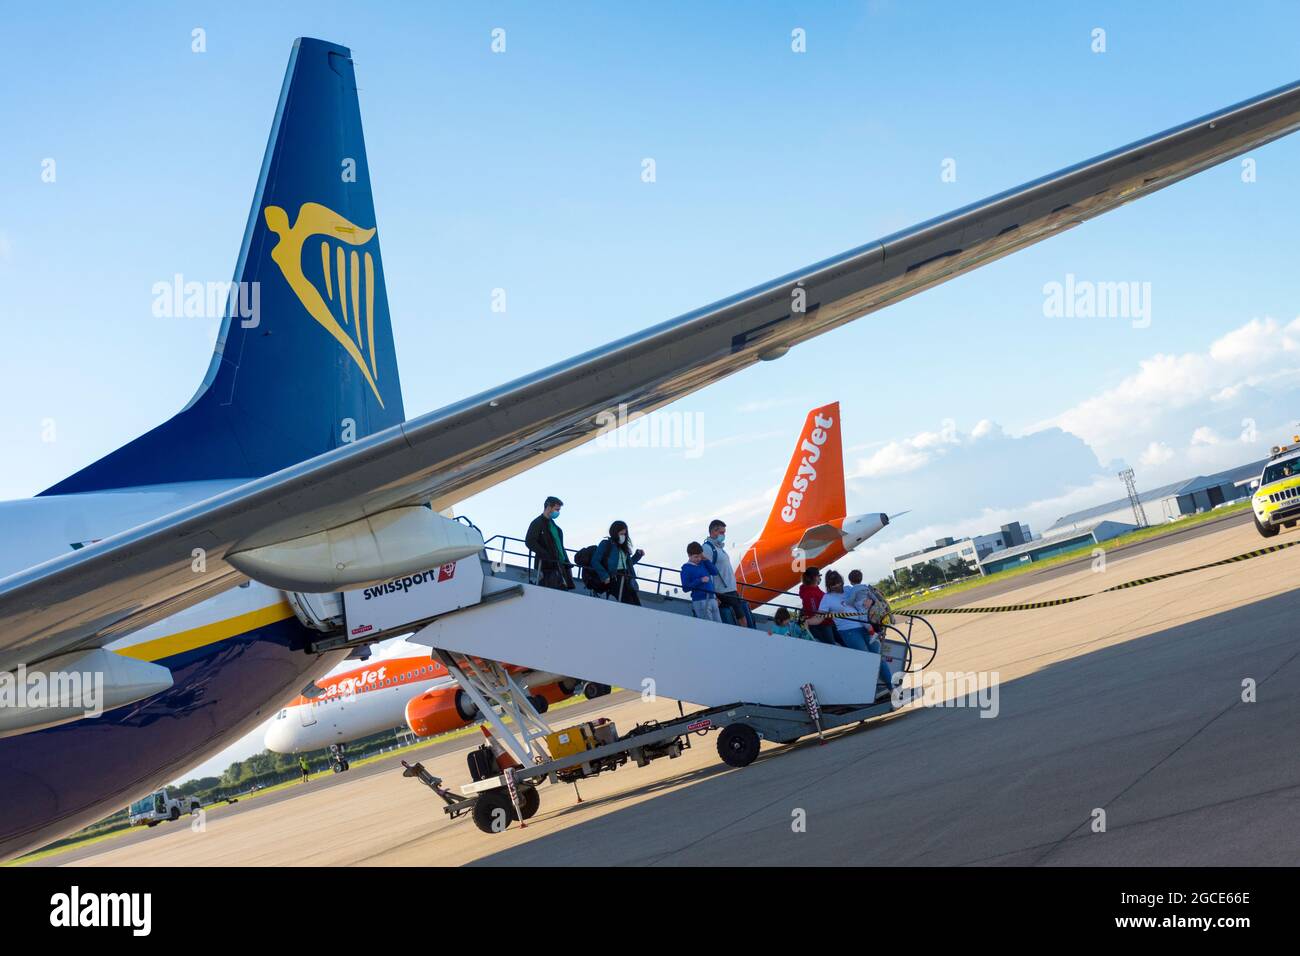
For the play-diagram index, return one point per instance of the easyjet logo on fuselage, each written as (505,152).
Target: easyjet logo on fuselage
(355,683)
(807,474)
(409,671)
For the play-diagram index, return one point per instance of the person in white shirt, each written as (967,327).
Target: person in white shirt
(854,631)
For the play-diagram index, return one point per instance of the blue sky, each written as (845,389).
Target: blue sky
(522,170)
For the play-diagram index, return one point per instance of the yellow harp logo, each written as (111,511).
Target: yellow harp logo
(345,271)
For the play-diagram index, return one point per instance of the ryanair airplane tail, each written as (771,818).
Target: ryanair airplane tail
(305,359)
(812,492)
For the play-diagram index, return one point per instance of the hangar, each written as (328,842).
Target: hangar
(1105,521)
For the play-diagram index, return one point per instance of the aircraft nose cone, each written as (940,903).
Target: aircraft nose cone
(274,740)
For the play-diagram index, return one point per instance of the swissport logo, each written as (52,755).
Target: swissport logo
(404,584)
(807,474)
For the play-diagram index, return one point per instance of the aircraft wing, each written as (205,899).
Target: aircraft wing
(99,593)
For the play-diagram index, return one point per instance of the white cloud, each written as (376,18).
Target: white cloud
(1256,341)
(1244,374)
(1157,453)
(896,458)
(904,455)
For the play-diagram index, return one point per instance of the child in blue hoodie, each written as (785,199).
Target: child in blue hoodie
(698,575)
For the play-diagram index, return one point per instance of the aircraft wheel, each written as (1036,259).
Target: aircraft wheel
(540,703)
(593,690)
(738,745)
(1266,530)
(493,811)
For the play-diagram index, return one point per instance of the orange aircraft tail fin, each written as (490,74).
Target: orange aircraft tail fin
(813,489)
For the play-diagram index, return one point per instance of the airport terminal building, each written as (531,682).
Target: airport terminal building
(1103,522)
(947,553)
(1054,542)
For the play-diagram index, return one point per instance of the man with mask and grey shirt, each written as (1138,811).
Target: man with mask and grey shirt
(735,610)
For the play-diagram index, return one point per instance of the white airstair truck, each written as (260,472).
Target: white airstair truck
(750,685)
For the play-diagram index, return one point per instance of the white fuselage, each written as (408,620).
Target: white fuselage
(38,529)
(345,717)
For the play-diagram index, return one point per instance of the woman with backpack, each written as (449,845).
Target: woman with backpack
(615,563)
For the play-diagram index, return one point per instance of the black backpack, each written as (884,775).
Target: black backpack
(590,579)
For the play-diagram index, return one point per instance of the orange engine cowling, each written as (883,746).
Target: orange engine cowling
(555,691)
(438,711)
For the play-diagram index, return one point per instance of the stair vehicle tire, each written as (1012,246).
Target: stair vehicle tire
(486,815)
(738,745)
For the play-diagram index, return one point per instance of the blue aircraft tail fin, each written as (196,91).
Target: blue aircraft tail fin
(305,359)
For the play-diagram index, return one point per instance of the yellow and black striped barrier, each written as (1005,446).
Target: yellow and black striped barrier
(1138,582)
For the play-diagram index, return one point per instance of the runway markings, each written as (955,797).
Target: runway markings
(1138,582)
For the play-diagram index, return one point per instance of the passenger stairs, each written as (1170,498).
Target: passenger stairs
(488,609)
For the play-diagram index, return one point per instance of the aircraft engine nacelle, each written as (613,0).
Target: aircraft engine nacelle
(75,685)
(859,528)
(361,553)
(555,691)
(438,711)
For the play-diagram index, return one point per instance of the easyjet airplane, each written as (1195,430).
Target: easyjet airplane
(164,571)
(808,526)
(378,696)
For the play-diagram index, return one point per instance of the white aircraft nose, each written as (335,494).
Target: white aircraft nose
(278,739)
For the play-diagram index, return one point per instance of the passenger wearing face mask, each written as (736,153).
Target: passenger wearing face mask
(615,561)
(734,609)
(546,540)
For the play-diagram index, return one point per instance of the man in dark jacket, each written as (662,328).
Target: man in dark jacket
(546,540)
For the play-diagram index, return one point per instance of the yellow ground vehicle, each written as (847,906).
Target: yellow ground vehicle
(1276,497)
